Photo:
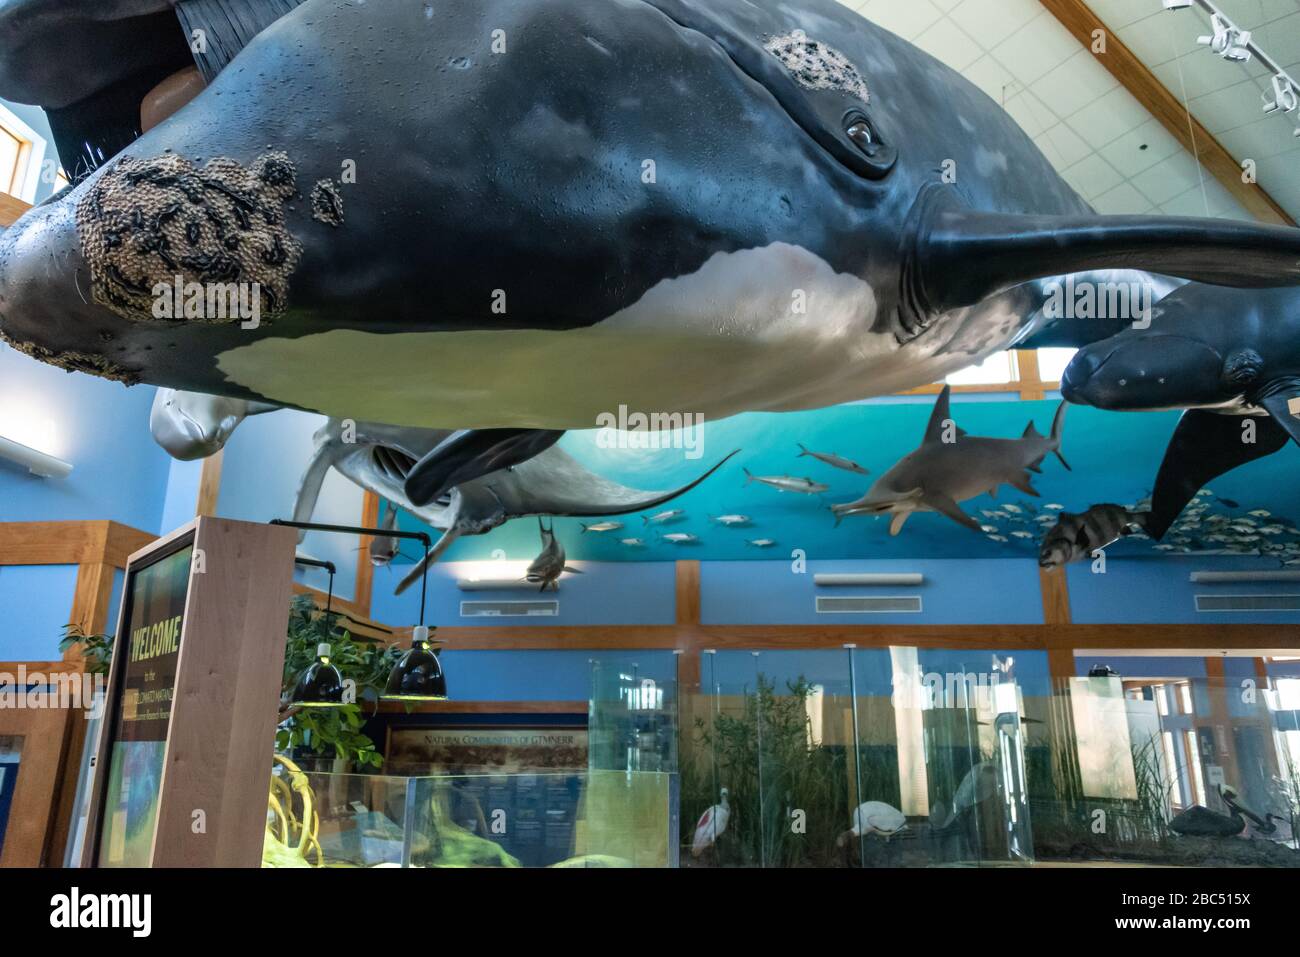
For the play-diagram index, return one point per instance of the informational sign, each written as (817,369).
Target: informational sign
(145,654)
(472,750)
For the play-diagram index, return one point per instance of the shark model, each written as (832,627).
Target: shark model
(517,215)
(951,466)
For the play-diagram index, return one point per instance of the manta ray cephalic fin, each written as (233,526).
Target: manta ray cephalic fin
(1204,446)
(470,454)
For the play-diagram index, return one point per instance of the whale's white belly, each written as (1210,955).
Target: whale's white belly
(770,329)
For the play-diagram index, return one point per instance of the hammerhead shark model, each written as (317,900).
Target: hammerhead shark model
(951,466)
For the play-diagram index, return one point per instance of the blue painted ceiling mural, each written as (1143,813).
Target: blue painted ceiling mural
(1115,457)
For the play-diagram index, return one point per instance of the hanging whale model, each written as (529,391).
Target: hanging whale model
(951,466)
(518,215)
(1229,357)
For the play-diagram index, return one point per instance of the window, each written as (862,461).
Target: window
(1185,697)
(22,150)
(998,369)
(11,165)
(1194,762)
(1052,363)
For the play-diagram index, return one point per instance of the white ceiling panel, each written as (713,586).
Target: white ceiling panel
(1101,139)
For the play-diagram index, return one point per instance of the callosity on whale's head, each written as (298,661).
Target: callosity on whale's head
(498,213)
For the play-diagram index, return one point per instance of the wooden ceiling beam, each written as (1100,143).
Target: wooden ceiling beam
(1136,77)
(11,207)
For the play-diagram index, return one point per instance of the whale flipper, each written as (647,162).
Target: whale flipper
(1013,248)
(1282,399)
(473,453)
(1206,445)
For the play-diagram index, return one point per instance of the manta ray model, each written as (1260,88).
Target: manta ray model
(378,459)
(1229,357)
(951,466)
(361,215)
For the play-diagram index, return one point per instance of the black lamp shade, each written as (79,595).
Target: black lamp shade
(419,675)
(320,685)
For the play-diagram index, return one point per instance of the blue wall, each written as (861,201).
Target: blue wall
(956,592)
(101,427)
(1140,590)
(263,464)
(606,593)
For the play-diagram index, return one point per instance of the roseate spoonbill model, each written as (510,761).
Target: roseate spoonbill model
(711,825)
(874,817)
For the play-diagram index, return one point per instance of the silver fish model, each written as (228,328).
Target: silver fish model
(834,461)
(787,483)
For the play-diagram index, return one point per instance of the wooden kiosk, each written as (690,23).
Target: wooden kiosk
(184,760)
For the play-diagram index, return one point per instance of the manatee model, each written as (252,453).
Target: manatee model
(1231,358)
(518,215)
(951,466)
(1075,537)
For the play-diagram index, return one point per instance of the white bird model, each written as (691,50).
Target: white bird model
(874,817)
(711,824)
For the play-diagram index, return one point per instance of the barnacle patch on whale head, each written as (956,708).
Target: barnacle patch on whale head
(816,66)
(147,221)
(70,361)
(327,203)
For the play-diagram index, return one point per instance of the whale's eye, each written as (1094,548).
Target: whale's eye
(862,134)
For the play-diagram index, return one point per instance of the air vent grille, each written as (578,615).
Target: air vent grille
(510,609)
(1209,603)
(868,604)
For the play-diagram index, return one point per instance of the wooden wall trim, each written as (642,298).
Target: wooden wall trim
(363,593)
(688,592)
(11,207)
(90,601)
(209,484)
(1134,75)
(1117,639)
(69,543)
(1055,587)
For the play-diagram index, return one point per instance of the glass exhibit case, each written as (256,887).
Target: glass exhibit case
(857,757)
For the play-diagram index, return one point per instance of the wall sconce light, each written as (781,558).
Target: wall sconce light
(35,461)
(855,580)
(1236,578)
